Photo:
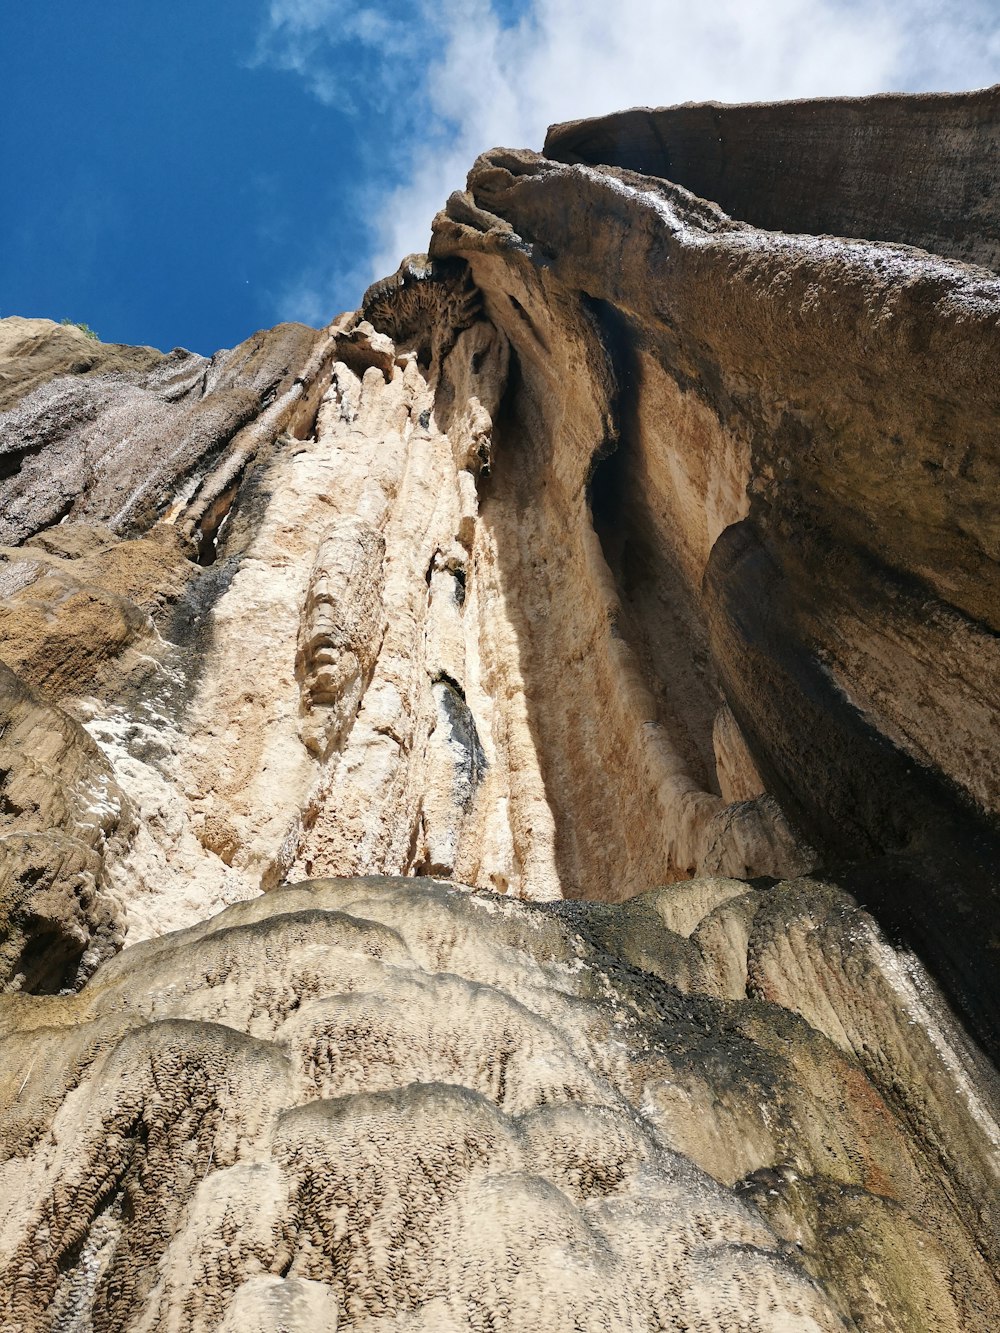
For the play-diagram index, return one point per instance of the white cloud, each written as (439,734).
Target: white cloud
(453,80)
(311,38)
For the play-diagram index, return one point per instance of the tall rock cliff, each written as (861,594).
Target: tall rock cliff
(500,807)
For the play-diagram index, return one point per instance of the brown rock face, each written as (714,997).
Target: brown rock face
(62,817)
(806,430)
(920,171)
(122,436)
(638,548)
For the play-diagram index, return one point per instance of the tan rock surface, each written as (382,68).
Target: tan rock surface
(389,1103)
(32,351)
(621,552)
(63,818)
(787,516)
(821,165)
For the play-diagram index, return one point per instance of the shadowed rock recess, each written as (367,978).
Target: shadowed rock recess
(500,796)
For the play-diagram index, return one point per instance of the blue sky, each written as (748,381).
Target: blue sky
(184,174)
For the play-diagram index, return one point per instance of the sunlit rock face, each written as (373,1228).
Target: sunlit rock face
(500,795)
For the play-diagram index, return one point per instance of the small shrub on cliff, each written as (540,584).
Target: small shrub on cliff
(84,328)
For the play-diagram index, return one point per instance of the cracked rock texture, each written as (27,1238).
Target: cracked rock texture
(500,796)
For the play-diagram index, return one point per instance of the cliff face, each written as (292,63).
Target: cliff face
(619,551)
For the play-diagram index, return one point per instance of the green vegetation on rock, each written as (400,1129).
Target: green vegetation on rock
(84,328)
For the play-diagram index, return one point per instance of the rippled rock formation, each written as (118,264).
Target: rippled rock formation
(426,1108)
(619,551)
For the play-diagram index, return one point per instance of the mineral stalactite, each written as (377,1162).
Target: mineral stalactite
(500,796)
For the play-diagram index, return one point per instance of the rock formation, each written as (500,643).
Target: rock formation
(501,795)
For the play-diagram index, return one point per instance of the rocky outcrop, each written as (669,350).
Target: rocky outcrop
(35,351)
(919,171)
(62,819)
(123,436)
(451,1110)
(596,630)
(805,444)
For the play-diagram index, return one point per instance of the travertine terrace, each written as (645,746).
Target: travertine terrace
(500,795)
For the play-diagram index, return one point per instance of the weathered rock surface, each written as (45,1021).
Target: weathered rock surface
(395,1104)
(62,819)
(122,436)
(916,170)
(34,351)
(637,547)
(806,455)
